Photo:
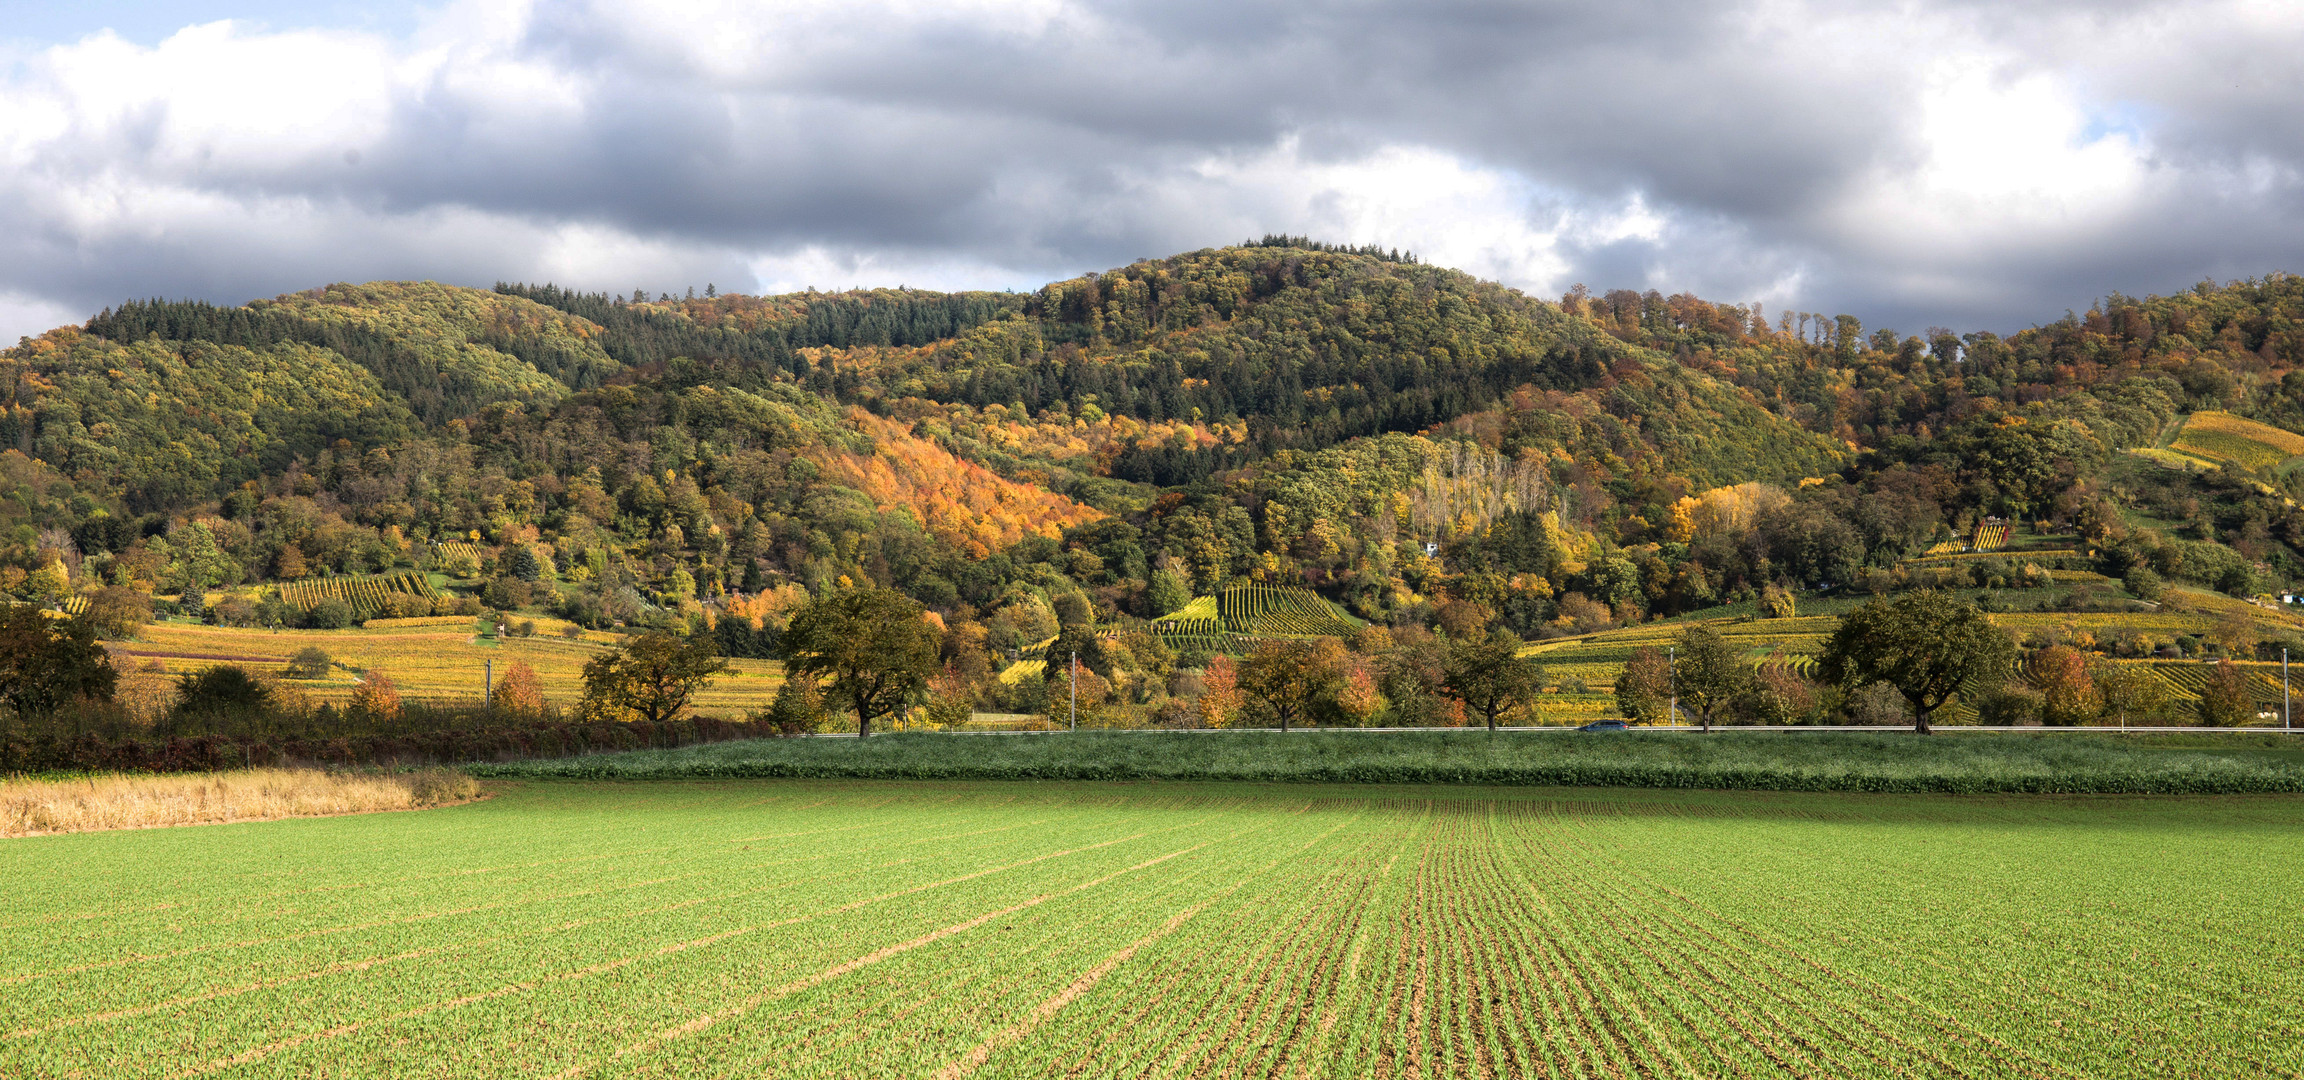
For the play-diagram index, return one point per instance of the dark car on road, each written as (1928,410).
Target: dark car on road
(1603,725)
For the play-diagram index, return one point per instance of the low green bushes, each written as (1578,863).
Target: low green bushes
(481,741)
(1772,761)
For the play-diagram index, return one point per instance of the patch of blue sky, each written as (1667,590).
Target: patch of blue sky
(36,23)
(2117,120)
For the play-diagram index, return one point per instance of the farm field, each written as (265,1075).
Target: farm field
(896,929)
(427,662)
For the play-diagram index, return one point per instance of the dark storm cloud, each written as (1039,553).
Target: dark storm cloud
(1780,153)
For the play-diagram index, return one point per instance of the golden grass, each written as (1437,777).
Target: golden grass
(36,807)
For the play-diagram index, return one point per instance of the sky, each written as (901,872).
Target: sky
(1976,166)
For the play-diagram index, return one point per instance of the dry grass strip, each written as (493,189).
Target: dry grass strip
(36,807)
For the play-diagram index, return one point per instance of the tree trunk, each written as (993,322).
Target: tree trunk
(1920,721)
(863,719)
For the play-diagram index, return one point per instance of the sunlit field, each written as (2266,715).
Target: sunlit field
(919,929)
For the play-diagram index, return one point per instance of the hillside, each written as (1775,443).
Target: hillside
(1415,446)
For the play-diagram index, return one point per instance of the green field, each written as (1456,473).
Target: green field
(912,929)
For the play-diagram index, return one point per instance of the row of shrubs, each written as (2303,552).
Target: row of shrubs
(89,751)
(1819,761)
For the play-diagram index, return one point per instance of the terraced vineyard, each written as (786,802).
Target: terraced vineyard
(455,551)
(366,593)
(1024,930)
(1281,611)
(2226,438)
(1234,619)
(2188,680)
(1598,659)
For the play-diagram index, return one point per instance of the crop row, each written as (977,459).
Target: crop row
(2189,681)
(1280,611)
(833,929)
(365,593)
(458,550)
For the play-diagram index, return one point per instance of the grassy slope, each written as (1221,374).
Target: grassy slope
(894,929)
(1804,761)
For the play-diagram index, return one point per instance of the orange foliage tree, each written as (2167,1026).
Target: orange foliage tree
(519,692)
(377,698)
(2068,694)
(1220,693)
(956,500)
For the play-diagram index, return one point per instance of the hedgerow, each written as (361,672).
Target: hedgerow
(1810,761)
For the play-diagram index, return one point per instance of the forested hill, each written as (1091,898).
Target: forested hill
(1281,411)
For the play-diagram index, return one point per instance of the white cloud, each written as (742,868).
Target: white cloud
(1931,162)
(1999,160)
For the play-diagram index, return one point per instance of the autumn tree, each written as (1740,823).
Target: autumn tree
(654,677)
(1928,644)
(118,611)
(2225,700)
(2131,691)
(1644,690)
(874,647)
(1358,697)
(950,698)
(377,699)
(1283,679)
(1489,675)
(519,691)
(1219,701)
(2068,695)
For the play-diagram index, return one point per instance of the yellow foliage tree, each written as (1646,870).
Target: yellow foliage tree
(1735,509)
(1681,527)
(519,692)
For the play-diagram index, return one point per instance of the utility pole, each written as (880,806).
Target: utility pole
(1074,708)
(488,683)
